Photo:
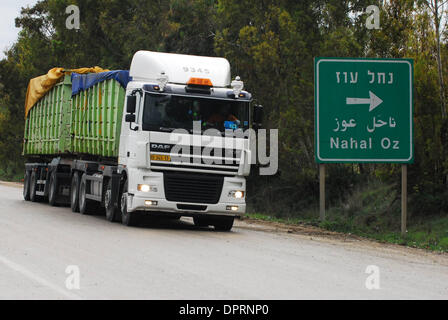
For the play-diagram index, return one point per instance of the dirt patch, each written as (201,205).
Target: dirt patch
(12,184)
(303,229)
(350,241)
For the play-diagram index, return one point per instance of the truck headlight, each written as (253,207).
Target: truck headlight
(236,194)
(146,188)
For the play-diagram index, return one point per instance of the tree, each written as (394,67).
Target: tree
(437,9)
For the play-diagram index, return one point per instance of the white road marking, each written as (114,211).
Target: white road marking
(18,268)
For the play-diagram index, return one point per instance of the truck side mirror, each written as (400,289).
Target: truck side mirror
(131,103)
(130,117)
(258,115)
(130,111)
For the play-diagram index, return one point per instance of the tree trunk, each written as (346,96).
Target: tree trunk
(439,60)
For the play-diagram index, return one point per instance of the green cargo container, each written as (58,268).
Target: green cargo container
(87,123)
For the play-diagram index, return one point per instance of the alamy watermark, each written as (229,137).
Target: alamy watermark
(373,280)
(73,20)
(72,282)
(373,20)
(242,147)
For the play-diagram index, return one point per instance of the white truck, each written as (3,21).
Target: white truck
(178,153)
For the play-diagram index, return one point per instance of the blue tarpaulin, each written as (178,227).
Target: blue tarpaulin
(82,82)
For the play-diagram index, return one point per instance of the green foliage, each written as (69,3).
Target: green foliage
(373,211)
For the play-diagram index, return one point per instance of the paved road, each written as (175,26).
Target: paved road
(175,260)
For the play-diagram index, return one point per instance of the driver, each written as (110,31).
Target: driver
(223,115)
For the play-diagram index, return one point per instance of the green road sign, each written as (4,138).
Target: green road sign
(363,110)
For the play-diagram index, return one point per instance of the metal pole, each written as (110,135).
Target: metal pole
(322,191)
(404,198)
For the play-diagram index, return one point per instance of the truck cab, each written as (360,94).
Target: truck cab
(185,139)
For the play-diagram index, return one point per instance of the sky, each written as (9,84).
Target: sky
(9,10)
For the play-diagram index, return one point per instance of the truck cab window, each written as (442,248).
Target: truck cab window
(166,112)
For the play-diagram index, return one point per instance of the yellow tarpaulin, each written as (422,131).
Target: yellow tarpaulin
(39,86)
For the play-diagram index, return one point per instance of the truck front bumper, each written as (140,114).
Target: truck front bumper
(138,203)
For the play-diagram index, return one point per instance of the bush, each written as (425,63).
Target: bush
(443,243)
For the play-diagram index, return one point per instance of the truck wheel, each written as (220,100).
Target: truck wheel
(53,189)
(223,223)
(33,187)
(74,193)
(112,212)
(127,218)
(86,206)
(26,185)
(201,222)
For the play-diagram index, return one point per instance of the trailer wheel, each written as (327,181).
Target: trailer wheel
(74,193)
(33,187)
(86,206)
(127,218)
(112,212)
(223,223)
(53,189)
(26,186)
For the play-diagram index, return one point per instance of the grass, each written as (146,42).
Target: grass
(374,212)
(288,220)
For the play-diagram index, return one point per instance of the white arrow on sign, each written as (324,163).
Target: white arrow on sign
(373,101)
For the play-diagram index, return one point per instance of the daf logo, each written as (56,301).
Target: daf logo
(160,146)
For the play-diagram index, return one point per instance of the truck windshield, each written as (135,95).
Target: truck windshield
(169,112)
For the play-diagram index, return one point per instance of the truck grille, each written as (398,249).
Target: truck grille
(192,188)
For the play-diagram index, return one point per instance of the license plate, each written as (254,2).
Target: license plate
(158,157)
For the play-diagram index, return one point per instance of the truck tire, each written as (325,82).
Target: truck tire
(112,212)
(26,185)
(74,193)
(223,223)
(201,222)
(53,189)
(86,206)
(127,218)
(33,187)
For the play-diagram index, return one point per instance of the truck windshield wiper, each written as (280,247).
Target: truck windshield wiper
(164,129)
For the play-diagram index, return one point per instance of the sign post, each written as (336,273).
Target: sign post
(322,191)
(404,198)
(364,113)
